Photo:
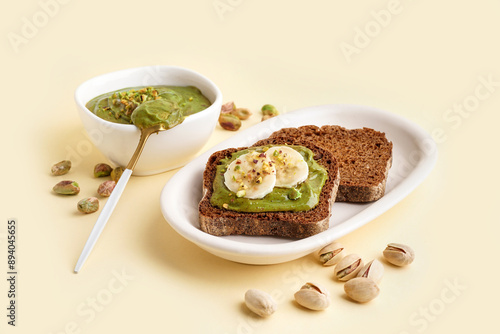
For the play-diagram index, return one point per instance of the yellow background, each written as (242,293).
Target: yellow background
(424,59)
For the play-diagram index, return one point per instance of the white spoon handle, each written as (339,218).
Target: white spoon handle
(106,212)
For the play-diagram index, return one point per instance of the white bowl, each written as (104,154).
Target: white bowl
(168,149)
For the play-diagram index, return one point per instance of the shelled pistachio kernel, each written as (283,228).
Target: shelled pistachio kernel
(348,267)
(242,113)
(106,188)
(294,193)
(361,289)
(116,173)
(229,122)
(399,254)
(260,302)
(61,168)
(331,254)
(269,110)
(374,270)
(313,297)
(67,187)
(88,205)
(102,169)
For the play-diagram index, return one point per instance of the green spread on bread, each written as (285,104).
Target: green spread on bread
(269,179)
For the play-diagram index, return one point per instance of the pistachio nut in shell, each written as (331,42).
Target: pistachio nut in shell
(374,270)
(102,169)
(331,254)
(61,168)
(88,205)
(313,297)
(361,289)
(67,187)
(348,267)
(399,254)
(260,302)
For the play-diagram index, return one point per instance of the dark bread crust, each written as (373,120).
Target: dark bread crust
(364,156)
(297,225)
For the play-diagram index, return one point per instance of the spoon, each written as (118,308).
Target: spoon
(117,192)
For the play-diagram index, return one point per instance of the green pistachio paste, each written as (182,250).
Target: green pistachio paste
(302,197)
(149,105)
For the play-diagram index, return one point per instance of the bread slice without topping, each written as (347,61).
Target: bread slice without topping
(216,221)
(364,157)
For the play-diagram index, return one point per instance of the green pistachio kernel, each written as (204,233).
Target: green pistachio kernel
(270,110)
(106,188)
(229,122)
(88,205)
(116,173)
(67,188)
(294,194)
(102,169)
(61,168)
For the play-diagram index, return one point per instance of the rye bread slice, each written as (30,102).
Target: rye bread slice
(364,157)
(220,222)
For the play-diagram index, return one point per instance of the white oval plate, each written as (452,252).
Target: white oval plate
(414,155)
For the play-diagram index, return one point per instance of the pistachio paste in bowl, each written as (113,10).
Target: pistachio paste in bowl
(148,105)
(184,101)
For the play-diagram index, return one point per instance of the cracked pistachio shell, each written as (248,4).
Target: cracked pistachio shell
(227,107)
(348,267)
(313,297)
(61,168)
(242,113)
(260,302)
(67,187)
(374,270)
(399,254)
(361,289)
(331,254)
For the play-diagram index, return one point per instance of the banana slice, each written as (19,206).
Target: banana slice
(291,168)
(251,175)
